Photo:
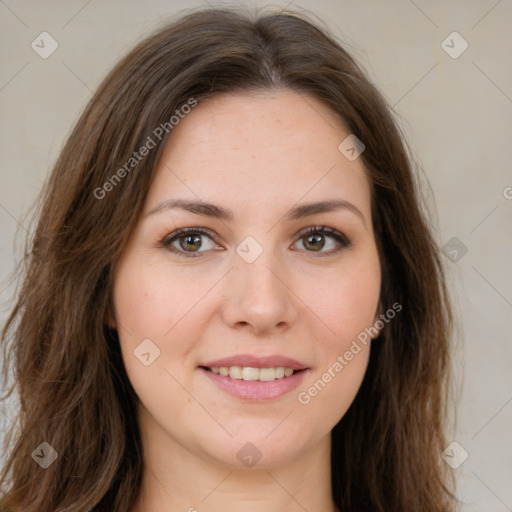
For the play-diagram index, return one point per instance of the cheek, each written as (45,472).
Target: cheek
(348,306)
(342,361)
(166,306)
(154,303)
(347,302)
(151,300)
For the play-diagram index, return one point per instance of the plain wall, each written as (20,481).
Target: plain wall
(457,113)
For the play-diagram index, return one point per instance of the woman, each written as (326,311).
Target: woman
(233,297)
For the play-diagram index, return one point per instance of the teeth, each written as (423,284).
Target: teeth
(235,372)
(266,373)
(248,373)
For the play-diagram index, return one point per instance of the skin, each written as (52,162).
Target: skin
(259,155)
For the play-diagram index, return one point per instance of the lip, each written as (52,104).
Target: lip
(255,390)
(257,362)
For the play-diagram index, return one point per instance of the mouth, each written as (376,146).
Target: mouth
(255,379)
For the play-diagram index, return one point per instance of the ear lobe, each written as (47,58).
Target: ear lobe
(111,322)
(377,321)
(378,313)
(110,319)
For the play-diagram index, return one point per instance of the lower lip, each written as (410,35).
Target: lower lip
(256,390)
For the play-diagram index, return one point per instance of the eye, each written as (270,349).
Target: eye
(315,239)
(188,241)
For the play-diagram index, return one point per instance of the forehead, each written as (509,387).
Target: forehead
(246,149)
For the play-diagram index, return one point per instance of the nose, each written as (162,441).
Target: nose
(257,296)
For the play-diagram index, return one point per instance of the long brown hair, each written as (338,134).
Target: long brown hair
(73,390)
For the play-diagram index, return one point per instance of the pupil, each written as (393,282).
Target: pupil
(192,240)
(314,239)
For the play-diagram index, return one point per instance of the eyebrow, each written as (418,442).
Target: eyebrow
(218,212)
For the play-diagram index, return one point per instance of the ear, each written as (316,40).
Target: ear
(110,319)
(378,324)
(111,322)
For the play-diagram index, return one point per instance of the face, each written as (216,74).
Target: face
(257,283)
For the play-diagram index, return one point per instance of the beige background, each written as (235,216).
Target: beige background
(457,113)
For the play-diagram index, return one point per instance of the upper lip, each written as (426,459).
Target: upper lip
(251,361)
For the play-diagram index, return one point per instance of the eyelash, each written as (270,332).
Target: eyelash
(342,240)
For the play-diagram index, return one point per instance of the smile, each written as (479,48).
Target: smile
(252,384)
(249,373)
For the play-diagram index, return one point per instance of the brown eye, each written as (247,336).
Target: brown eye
(316,239)
(189,242)
(314,242)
